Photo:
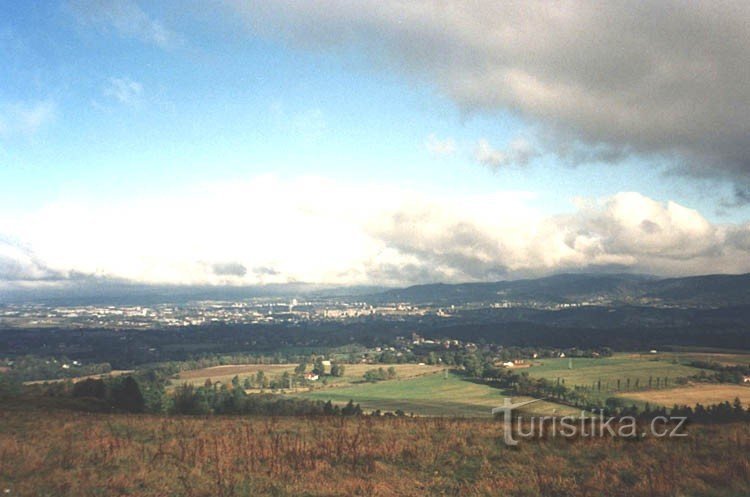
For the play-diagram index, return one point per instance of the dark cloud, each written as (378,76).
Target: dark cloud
(19,264)
(667,79)
(265,271)
(229,269)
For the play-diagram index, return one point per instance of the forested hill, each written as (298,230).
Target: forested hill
(710,290)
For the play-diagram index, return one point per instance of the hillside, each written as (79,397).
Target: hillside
(711,290)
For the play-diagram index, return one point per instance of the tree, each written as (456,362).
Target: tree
(260,379)
(188,400)
(126,395)
(9,386)
(300,369)
(337,370)
(91,388)
(350,409)
(391,373)
(318,367)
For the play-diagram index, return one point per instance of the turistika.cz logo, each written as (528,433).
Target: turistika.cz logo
(587,425)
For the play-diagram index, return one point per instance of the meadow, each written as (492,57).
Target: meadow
(642,372)
(225,373)
(437,394)
(705,394)
(352,373)
(67,454)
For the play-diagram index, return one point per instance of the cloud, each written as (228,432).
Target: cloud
(269,230)
(124,90)
(26,118)
(519,153)
(19,264)
(438,147)
(600,80)
(229,269)
(126,18)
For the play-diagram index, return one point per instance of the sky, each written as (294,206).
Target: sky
(371,142)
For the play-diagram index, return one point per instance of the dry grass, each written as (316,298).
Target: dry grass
(226,373)
(115,372)
(690,395)
(63,454)
(352,372)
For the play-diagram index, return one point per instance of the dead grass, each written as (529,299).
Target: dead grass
(66,454)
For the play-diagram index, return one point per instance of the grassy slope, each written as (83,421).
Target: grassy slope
(66,454)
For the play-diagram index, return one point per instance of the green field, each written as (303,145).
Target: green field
(430,395)
(586,371)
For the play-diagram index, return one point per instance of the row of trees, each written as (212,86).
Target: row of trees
(219,399)
(319,368)
(121,394)
(721,373)
(380,374)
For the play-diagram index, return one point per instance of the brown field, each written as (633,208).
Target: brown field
(352,372)
(116,372)
(690,395)
(721,358)
(226,373)
(404,371)
(66,454)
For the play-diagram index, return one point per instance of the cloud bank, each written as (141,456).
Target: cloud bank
(268,230)
(597,80)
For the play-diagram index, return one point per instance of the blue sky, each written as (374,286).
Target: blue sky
(115,103)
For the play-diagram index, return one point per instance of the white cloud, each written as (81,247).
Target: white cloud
(124,17)
(310,229)
(124,90)
(440,148)
(26,118)
(519,153)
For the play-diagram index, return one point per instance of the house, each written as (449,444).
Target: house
(311,377)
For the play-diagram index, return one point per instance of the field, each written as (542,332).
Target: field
(423,390)
(723,358)
(65,454)
(702,393)
(352,372)
(225,374)
(430,395)
(635,367)
(116,372)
